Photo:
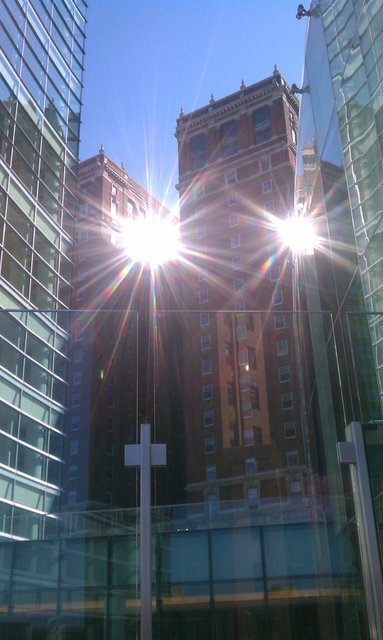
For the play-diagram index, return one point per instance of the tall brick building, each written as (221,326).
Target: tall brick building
(112,378)
(245,424)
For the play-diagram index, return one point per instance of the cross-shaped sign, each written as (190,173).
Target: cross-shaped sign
(145,455)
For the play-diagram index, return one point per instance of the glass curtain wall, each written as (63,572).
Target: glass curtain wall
(259,538)
(41,65)
(339,180)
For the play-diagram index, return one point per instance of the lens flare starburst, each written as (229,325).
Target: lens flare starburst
(297,234)
(152,240)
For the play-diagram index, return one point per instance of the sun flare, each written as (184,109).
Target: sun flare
(152,240)
(297,233)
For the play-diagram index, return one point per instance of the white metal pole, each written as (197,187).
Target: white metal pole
(145,534)
(353,452)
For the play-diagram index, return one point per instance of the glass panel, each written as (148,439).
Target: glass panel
(84,563)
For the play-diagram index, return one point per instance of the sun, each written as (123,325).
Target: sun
(297,234)
(152,240)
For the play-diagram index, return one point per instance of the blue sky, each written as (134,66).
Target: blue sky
(146,58)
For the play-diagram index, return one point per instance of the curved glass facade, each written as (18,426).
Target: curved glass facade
(338,184)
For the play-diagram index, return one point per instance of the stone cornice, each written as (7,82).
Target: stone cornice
(101,165)
(216,111)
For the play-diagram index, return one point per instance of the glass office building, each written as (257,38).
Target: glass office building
(41,66)
(339,185)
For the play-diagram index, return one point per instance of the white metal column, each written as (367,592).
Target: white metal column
(353,453)
(145,455)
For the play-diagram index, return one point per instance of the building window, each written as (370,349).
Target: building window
(292,458)
(77,355)
(232,199)
(203,296)
(243,358)
(205,342)
(262,125)
(77,377)
(257,435)
(248,437)
(241,332)
(250,465)
(249,320)
(237,262)
(81,294)
(211,472)
(204,319)
(269,205)
(275,272)
(246,410)
(289,429)
(240,305)
(254,395)
(206,366)
(198,212)
(72,497)
(109,473)
(113,191)
(73,471)
(252,495)
(282,348)
(197,191)
(247,358)
(73,447)
(233,219)
(198,152)
(75,423)
(238,284)
(207,391)
(295,487)
(76,400)
(252,357)
(277,297)
(231,177)
(212,500)
(229,138)
(244,383)
(235,241)
(202,277)
(201,233)
(265,164)
(78,333)
(287,400)
(230,393)
(210,444)
(82,255)
(208,418)
(279,321)
(267,185)
(110,448)
(284,373)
